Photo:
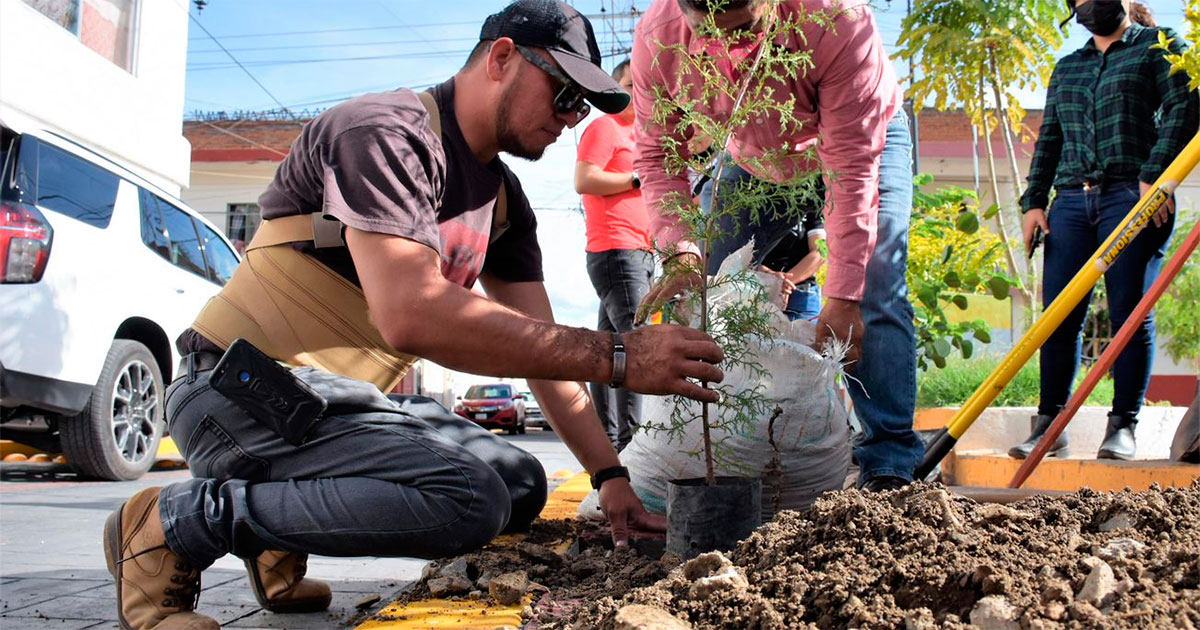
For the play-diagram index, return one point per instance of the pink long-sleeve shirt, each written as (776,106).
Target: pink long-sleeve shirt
(845,100)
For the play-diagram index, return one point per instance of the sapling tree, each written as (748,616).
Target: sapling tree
(742,322)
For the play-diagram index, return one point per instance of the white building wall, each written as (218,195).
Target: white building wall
(49,79)
(215,185)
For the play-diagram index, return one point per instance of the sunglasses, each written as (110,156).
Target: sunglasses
(570,98)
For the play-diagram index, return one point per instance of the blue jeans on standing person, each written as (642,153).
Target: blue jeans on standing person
(884,387)
(621,278)
(1080,221)
(804,302)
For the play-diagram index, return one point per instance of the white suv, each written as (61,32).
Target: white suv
(100,271)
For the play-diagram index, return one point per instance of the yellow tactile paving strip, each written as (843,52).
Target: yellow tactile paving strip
(445,613)
(481,615)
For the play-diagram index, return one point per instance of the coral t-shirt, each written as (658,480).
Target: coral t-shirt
(613,221)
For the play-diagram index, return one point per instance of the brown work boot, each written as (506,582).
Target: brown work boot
(277,578)
(156,589)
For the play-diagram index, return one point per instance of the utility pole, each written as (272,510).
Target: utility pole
(914,127)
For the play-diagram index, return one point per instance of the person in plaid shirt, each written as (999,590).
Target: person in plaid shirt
(1115,117)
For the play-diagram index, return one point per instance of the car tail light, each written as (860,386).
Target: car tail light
(25,238)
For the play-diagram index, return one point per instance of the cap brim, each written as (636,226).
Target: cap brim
(600,89)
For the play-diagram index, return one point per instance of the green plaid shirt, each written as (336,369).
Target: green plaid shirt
(1113,116)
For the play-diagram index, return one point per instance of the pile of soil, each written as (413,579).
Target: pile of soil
(919,558)
(561,582)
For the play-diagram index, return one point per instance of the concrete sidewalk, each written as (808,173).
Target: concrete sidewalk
(52,572)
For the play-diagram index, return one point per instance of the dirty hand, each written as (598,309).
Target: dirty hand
(841,319)
(680,274)
(625,511)
(661,359)
(1033,219)
(1164,212)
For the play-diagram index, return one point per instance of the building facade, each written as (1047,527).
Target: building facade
(108,74)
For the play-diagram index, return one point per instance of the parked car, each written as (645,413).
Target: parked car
(100,271)
(494,406)
(533,413)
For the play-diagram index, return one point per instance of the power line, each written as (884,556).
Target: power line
(360,29)
(248,73)
(433,54)
(339,45)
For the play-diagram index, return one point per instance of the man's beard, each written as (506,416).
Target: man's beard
(510,141)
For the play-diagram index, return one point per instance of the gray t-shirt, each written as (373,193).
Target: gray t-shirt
(374,163)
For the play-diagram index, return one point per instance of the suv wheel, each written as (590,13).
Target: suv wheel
(116,435)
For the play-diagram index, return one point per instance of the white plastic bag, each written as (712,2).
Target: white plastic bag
(812,434)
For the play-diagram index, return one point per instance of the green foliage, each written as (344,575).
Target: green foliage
(952,386)
(958,46)
(1189,60)
(1175,316)
(948,257)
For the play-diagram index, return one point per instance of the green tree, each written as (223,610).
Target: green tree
(976,54)
(1175,315)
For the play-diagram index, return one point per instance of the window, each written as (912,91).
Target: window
(154,231)
(221,259)
(241,222)
(489,391)
(75,187)
(182,243)
(105,26)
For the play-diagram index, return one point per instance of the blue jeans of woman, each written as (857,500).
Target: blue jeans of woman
(885,391)
(1080,220)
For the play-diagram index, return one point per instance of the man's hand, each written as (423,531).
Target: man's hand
(661,359)
(841,319)
(680,273)
(1164,212)
(625,511)
(786,286)
(1034,218)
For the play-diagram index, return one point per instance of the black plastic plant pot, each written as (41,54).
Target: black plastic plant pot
(704,518)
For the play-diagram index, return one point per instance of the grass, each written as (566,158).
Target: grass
(952,385)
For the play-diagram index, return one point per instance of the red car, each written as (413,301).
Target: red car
(495,406)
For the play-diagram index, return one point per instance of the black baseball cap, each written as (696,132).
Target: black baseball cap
(568,36)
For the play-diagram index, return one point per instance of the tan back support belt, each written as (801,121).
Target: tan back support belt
(301,312)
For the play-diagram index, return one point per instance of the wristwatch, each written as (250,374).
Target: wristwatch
(612,472)
(618,361)
(637,181)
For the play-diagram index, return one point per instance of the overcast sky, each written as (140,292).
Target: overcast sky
(315,53)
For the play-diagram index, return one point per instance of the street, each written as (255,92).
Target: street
(52,572)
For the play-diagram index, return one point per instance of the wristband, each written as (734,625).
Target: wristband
(637,181)
(612,472)
(618,361)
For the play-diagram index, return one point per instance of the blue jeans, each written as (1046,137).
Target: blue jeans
(1080,220)
(374,478)
(621,278)
(804,302)
(885,392)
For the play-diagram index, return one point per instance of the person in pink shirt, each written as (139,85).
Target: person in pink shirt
(619,261)
(850,105)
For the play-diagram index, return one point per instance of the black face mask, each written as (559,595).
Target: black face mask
(1101,17)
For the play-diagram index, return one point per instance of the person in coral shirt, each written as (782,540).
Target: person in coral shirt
(619,260)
